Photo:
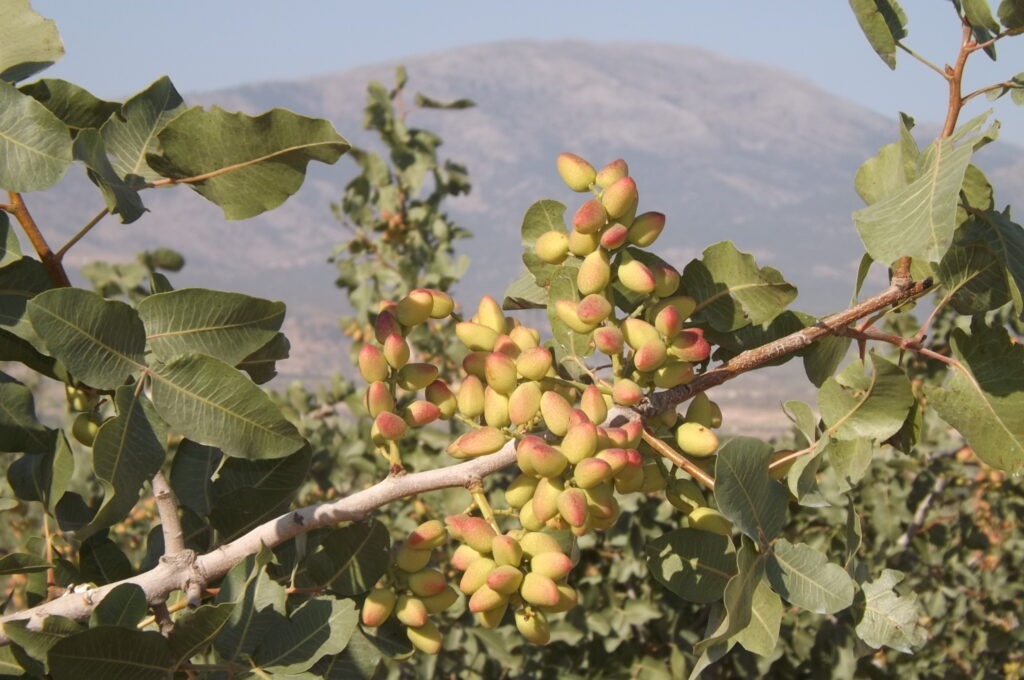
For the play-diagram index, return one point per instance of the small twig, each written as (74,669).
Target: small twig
(81,233)
(776,464)
(1008,84)
(163,617)
(921,513)
(901,342)
(678,459)
(167,507)
(46,256)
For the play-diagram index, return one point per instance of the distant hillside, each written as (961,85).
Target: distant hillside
(728,149)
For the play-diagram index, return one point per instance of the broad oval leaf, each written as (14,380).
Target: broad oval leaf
(19,428)
(890,619)
(34,144)
(102,342)
(22,563)
(919,220)
(738,598)
(246,165)
(37,643)
(129,449)
(249,492)
(121,199)
(29,42)
(124,606)
(746,493)
(227,326)
(983,396)
(695,565)
(194,630)
(111,652)
(804,577)
(75,106)
(259,603)
(761,636)
(192,472)
(856,404)
(883,23)
(210,402)
(350,560)
(131,133)
(317,628)
(20,281)
(732,291)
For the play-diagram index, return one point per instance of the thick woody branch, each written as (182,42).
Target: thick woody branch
(794,342)
(51,261)
(167,507)
(186,571)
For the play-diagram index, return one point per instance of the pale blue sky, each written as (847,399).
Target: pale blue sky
(116,47)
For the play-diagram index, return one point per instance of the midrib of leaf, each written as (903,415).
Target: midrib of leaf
(244,164)
(984,399)
(122,444)
(96,340)
(750,500)
(730,289)
(207,329)
(140,162)
(856,407)
(349,561)
(203,400)
(31,149)
(802,576)
(931,192)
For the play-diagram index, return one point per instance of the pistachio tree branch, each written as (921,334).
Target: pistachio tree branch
(189,572)
(167,508)
(759,356)
(54,268)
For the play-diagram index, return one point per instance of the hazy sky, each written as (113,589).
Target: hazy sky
(116,47)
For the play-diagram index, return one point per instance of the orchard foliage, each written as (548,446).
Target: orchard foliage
(503,492)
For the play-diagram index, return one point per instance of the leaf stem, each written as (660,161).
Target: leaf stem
(921,59)
(42,248)
(81,234)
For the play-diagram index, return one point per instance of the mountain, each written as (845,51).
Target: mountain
(728,149)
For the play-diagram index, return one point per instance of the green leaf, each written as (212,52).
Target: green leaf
(973,278)
(10,251)
(360,660)
(21,281)
(247,165)
(1011,14)
(37,643)
(568,344)
(131,134)
(983,396)
(227,326)
(731,291)
(111,652)
(124,607)
(351,559)
(261,365)
(892,169)
(101,561)
(857,404)
(317,628)
(100,341)
(524,293)
(1005,238)
(260,602)
(889,619)
(738,599)
(43,477)
(426,102)
(919,219)
(541,217)
(850,460)
(194,630)
(212,403)
(761,636)
(29,42)
(22,563)
(805,578)
(695,565)
(249,492)
(884,24)
(120,198)
(979,14)
(745,492)
(19,428)
(129,449)
(192,475)
(823,358)
(75,106)
(35,145)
